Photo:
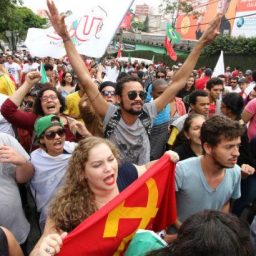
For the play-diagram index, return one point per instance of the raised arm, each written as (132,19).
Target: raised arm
(181,76)
(91,89)
(31,79)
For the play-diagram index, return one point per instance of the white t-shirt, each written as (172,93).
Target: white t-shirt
(13,70)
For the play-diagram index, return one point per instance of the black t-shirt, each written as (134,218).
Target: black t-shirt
(127,174)
(184,151)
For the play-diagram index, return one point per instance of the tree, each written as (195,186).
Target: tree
(174,8)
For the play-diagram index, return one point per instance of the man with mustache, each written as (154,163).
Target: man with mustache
(128,126)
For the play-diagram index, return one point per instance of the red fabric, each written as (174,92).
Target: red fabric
(169,49)
(119,53)
(126,23)
(180,106)
(89,239)
(212,109)
(201,83)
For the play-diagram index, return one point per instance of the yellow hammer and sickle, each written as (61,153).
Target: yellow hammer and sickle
(122,212)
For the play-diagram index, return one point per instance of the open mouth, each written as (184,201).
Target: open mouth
(109,180)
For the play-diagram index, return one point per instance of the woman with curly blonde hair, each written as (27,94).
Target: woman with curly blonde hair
(93,179)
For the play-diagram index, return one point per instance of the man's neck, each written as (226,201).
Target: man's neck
(128,118)
(210,167)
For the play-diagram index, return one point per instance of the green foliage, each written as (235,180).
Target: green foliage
(177,7)
(16,18)
(231,46)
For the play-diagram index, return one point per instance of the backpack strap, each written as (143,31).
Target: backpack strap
(112,123)
(144,118)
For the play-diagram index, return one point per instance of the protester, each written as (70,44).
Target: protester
(67,84)
(48,101)
(50,161)
(190,144)
(93,178)
(215,88)
(199,103)
(14,168)
(129,134)
(215,175)
(108,91)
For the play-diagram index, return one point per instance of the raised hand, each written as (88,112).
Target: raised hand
(33,77)
(57,20)
(212,31)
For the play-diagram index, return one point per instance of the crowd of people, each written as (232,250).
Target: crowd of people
(88,132)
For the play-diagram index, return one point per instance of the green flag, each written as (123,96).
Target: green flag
(44,78)
(172,34)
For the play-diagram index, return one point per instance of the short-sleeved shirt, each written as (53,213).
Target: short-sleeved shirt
(127,174)
(251,108)
(195,195)
(132,140)
(11,214)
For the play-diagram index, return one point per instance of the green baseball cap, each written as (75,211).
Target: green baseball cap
(43,123)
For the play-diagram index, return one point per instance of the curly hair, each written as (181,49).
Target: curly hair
(74,202)
(37,105)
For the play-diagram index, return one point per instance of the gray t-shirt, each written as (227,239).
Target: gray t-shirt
(195,195)
(132,140)
(11,213)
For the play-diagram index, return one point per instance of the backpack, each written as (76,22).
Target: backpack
(144,118)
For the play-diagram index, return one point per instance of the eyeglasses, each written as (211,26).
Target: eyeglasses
(28,103)
(52,134)
(108,93)
(46,98)
(132,95)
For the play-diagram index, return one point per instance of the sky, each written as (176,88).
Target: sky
(41,4)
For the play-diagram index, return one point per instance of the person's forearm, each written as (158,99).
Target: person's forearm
(24,172)
(20,94)
(76,62)
(182,75)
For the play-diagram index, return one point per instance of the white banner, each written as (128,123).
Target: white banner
(220,67)
(91,27)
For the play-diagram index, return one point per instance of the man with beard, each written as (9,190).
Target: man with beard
(128,132)
(210,181)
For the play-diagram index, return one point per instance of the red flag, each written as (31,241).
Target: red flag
(126,23)
(119,53)
(169,49)
(148,203)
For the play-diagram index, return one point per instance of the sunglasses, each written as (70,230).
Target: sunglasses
(28,104)
(132,95)
(108,93)
(52,134)
(160,76)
